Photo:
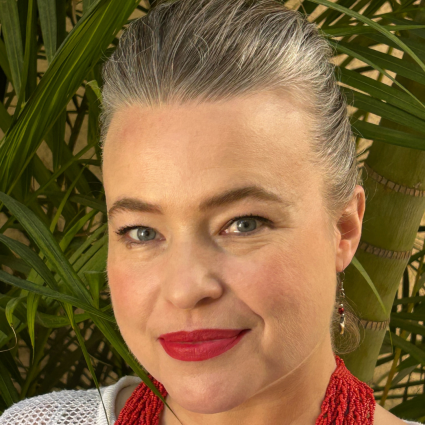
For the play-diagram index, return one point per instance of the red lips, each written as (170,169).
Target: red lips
(201,344)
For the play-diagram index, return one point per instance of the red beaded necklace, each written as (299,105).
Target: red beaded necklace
(348,401)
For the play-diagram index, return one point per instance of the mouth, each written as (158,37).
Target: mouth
(201,344)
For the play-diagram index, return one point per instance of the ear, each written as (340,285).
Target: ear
(349,229)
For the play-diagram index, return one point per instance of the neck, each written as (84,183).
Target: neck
(294,399)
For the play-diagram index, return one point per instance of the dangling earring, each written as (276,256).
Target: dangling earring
(341,307)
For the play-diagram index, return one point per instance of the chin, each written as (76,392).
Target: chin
(208,398)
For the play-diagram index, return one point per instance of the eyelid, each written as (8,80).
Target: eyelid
(262,219)
(123,231)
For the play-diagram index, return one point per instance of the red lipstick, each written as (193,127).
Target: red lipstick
(202,344)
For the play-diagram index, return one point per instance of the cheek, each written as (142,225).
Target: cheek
(122,287)
(289,286)
(274,283)
(132,297)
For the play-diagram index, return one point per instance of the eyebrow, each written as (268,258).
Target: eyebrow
(228,197)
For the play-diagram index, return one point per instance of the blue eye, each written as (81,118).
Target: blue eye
(243,221)
(142,235)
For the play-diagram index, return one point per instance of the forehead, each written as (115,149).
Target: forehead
(262,139)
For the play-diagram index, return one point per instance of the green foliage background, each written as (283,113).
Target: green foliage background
(57,329)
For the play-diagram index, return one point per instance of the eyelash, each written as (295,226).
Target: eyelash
(122,231)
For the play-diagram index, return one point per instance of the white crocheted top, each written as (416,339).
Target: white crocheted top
(72,407)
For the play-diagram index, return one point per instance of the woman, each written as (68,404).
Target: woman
(233,202)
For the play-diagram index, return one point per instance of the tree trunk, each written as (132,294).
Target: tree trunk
(395,206)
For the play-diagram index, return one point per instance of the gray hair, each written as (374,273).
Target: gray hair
(211,50)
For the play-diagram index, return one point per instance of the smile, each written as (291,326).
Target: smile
(202,344)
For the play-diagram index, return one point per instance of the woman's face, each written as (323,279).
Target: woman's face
(188,268)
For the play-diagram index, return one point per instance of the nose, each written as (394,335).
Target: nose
(191,277)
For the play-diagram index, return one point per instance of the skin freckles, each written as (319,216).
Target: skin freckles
(199,271)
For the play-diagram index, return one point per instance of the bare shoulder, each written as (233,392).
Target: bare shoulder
(384,417)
